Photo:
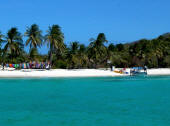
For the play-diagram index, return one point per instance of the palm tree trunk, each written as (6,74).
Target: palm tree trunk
(3,65)
(51,55)
(3,58)
(51,58)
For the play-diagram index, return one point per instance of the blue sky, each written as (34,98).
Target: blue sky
(120,20)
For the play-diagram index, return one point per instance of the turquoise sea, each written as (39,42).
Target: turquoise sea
(106,101)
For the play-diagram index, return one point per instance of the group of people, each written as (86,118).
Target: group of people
(30,65)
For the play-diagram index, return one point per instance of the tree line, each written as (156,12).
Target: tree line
(152,53)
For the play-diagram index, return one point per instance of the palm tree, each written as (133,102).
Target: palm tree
(14,44)
(83,59)
(33,54)
(34,37)
(1,41)
(72,55)
(55,41)
(1,37)
(97,49)
(74,47)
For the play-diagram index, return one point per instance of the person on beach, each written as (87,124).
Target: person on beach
(145,69)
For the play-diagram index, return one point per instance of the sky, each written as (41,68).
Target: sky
(121,20)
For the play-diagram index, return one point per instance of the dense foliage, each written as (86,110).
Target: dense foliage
(152,53)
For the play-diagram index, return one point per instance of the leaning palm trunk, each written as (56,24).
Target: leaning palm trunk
(51,58)
(3,58)
(51,55)
(3,65)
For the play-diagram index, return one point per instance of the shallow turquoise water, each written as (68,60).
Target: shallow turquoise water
(127,101)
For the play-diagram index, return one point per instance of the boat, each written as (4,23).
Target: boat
(138,71)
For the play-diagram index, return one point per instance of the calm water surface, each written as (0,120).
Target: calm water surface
(127,101)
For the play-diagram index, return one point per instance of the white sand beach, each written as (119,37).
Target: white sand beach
(74,73)
(159,71)
(59,73)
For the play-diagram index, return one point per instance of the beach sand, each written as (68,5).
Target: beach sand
(74,73)
(159,71)
(59,73)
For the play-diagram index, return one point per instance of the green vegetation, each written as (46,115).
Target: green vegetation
(152,53)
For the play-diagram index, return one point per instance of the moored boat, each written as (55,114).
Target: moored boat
(138,71)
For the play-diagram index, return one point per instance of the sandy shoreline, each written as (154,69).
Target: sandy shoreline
(59,73)
(74,73)
(159,71)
